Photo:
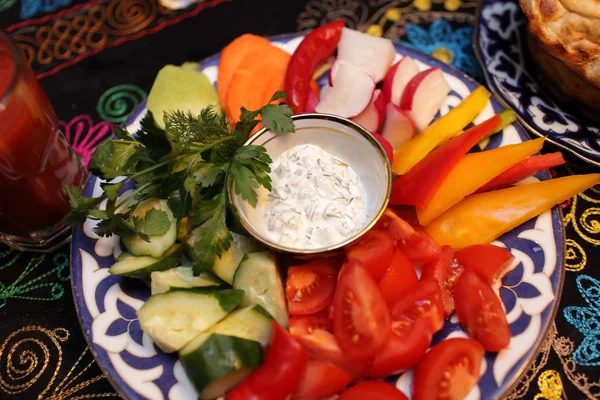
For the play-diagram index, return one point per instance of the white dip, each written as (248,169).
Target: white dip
(316,201)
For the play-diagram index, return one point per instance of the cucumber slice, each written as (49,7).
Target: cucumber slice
(175,318)
(142,267)
(157,245)
(226,266)
(216,363)
(252,323)
(181,277)
(259,278)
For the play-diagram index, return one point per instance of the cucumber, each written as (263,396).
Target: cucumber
(216,363)
(181,277)
(226,266)
(252,323)
(142,267)
(157,245)
(259,278)
(175,318)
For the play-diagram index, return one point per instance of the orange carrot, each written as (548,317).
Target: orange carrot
(259,72)
(231,57)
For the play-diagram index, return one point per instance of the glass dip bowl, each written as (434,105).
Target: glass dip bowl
(343,139)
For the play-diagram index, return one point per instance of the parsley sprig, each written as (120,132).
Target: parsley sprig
(189,164)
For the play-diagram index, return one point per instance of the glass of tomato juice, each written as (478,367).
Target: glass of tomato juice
(36,161)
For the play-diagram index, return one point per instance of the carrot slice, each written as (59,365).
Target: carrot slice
(231,57)
(259,71)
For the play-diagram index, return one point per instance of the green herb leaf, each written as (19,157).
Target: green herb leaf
(112,189)
(121,133)
(80,206)
(277,117)
(212,233)
(114,158)
(153,138)
(154,223)
(280,94)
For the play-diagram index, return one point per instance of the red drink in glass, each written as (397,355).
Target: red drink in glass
(35,159)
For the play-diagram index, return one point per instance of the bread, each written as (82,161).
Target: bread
(564,79)
(569,30)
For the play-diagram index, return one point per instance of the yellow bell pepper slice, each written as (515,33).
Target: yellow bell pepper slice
(482,218)
(444,128)
(472,172)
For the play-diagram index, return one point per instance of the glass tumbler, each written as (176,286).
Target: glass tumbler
(36,161)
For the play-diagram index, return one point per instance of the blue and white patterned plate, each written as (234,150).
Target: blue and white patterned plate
(107,304)
(501,46)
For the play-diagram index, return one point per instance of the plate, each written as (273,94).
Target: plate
(106,305)
(501,45)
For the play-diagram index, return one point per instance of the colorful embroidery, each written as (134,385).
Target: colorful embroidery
(551,387)
(84,135)
(118,101)
(57,41)
(35,353)
(30,287)
(6,4)
(31,7)
(587,321)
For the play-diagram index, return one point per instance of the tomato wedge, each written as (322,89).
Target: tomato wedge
(449,370)
(280,373)
(489,262)
(309,287)
(417,245)
(446,271)
(372,390)
(400,277)
(361,321)
(480,312)
(373,251)
(314,332)
(321,379)
(423,301)
(406,345)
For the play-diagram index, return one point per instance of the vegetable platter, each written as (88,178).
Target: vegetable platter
(239,320)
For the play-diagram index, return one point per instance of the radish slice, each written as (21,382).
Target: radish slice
(370,54)
(311,101)
(398,128)
(370,118)
(350,94)
(423,96)
(397,78)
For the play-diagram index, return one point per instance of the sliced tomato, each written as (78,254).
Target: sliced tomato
(446,271)
(372,390)
(423,301)
(373,251)
(490,262)
(321,379)
(278,376)
(315,333)
(400,277)
(448,371)
(361,321)
(480,312)
(409,238)
(405,347)
(309,287)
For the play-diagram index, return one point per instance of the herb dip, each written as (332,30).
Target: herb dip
(316,200)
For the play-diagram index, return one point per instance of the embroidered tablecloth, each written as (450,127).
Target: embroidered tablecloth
(97,60)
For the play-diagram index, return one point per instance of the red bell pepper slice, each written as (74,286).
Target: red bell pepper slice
(316,47)
(279,375)
(420,183)
(524,169)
